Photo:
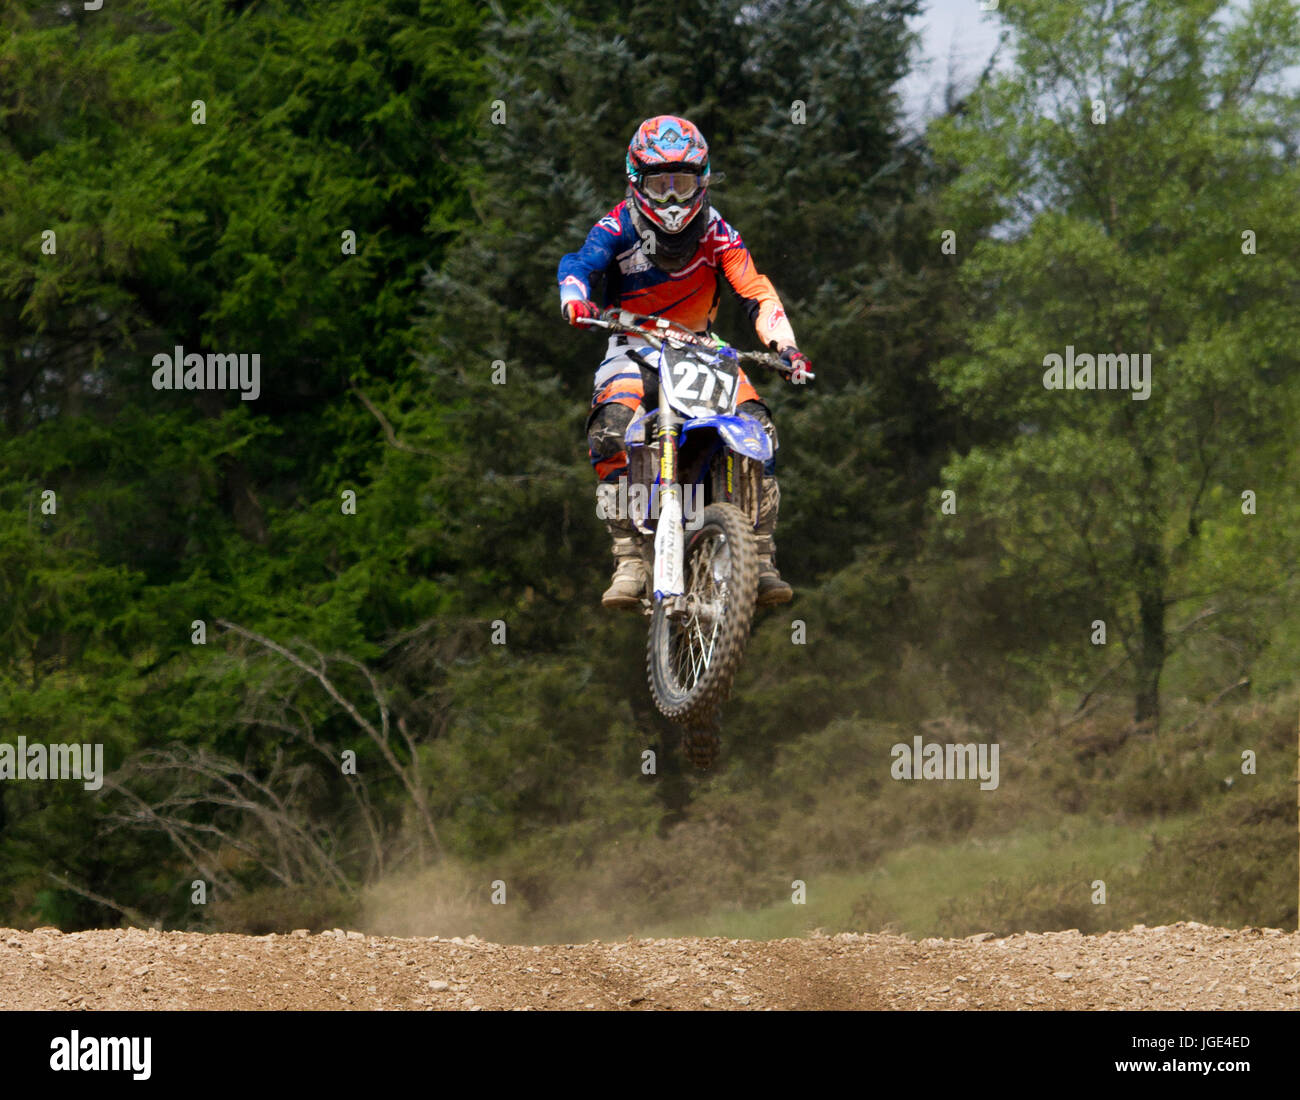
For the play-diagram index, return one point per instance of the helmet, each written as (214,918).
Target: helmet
(668,183)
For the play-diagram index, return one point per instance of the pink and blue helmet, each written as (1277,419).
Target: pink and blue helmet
(668,170)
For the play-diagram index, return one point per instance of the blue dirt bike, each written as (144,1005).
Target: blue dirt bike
(695,476)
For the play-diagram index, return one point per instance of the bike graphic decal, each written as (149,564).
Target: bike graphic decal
(669,537)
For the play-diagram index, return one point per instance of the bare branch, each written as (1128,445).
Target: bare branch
(389,434)
(409,776)
(133,915)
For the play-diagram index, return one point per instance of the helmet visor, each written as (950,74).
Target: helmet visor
(678,186)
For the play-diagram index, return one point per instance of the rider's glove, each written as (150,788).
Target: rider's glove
(800,365)
(580,308)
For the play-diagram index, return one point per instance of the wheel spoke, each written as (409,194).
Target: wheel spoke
(697,640)
(690,649)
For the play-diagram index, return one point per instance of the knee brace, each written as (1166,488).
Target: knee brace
(605,429)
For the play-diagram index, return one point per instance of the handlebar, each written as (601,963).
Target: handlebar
(658,331)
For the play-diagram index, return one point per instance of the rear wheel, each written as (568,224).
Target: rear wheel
(692,658)
(702,741)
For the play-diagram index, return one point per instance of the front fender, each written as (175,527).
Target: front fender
(741,433)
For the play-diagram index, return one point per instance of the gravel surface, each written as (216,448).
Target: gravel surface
(1181,966)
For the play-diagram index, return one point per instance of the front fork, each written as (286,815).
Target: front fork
(670,532)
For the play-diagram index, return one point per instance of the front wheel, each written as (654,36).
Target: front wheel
(692,657)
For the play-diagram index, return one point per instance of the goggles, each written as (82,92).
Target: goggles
(678,186)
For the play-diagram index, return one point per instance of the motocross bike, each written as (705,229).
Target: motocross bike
(695,448)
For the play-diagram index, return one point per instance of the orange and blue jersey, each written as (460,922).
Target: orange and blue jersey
(688,296)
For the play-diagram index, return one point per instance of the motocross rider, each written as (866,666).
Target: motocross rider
(663,251)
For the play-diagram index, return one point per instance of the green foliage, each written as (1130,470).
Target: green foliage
(1093,500)
(430,374)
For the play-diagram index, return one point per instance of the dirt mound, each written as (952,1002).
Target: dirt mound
(1181,966)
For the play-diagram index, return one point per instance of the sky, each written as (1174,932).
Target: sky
(957,33)
(953,33)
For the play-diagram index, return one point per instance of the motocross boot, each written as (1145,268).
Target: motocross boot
(772,590)
(631,572)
